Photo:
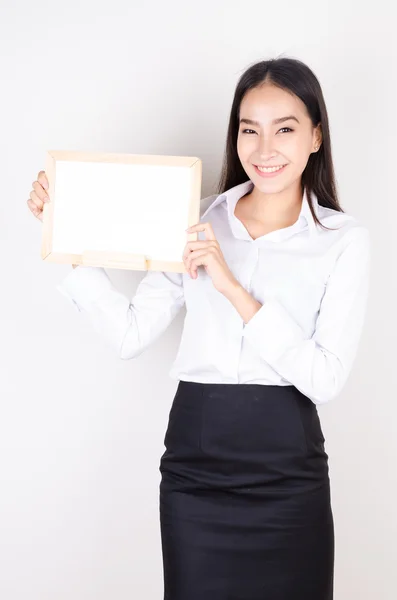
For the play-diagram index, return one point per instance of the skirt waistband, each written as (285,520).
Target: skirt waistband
(227,389)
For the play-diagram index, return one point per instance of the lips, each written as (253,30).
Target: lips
(265,174)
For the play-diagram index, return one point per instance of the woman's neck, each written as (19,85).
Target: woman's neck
(278,210)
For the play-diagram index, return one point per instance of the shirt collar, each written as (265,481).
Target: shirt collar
(232,196)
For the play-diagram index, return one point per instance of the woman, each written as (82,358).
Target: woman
(276,291)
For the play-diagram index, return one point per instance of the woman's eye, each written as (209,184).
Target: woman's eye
(244,130)
(286,128)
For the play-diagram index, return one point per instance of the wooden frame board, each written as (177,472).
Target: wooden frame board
(123,211)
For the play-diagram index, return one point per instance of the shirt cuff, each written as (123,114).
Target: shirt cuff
(84,285)
(272,331)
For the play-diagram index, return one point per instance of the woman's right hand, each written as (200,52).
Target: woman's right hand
(38,196)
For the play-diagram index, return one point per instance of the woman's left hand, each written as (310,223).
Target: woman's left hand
(208,253)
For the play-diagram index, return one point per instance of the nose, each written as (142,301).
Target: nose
(266,149)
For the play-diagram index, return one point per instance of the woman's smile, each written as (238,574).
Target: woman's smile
(269,171)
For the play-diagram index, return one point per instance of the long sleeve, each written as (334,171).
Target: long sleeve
(319,366)
(129,326)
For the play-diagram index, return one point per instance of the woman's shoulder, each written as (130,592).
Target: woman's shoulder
(343,220)
(346,231)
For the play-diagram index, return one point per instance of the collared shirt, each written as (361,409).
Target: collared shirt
(312,283)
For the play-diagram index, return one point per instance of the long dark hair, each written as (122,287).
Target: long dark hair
(296,77)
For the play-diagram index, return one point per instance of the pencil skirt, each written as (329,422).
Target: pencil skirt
(245,507)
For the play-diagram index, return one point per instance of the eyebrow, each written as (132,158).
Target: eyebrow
(274,122)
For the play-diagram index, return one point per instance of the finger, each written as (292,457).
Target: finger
(187,267)
(188,262)
(206,227)
(191,246)
(36,211)
(42,179)
(200,252)
(208,252)
(41,193)
(36,200)
(196,260)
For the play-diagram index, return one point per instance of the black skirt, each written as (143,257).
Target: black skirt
(245,509)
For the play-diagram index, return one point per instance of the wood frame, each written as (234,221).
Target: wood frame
(118,260)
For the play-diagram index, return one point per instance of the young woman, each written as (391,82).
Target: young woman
(275,290)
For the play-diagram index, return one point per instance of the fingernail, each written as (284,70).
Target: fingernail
(46,199)
(45,185)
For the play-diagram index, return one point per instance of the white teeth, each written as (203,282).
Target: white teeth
(269,169)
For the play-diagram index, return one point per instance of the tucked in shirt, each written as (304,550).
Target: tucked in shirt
(312,283)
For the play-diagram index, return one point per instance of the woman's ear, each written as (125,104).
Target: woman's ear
(318,137)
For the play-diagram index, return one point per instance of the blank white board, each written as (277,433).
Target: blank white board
(120,210)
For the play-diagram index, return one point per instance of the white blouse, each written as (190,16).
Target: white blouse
(313,285)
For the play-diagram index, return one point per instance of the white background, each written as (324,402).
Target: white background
(81,432)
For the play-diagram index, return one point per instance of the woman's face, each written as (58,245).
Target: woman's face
(269,144)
